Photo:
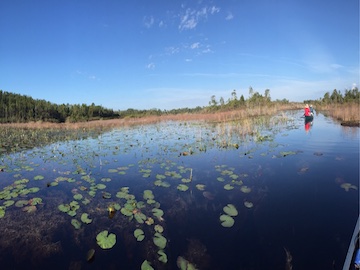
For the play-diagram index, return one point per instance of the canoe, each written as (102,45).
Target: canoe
(353,254)
(309,118)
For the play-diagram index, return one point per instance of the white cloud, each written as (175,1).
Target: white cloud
(192,17)
(148,21)
(195,45)
(188,60)
(172,50)
(229,17)
(150,66)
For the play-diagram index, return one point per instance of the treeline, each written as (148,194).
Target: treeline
(255,99)
(336,97)
(22,108)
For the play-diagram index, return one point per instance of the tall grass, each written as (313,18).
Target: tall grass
(346,112)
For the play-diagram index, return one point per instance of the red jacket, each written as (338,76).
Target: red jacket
(307,112)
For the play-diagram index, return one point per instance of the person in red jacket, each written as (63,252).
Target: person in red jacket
(307,110)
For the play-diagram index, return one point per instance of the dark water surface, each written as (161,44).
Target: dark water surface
(303,190)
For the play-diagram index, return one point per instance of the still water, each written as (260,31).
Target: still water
(294,189)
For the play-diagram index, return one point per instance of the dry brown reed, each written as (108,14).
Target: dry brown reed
(346,113)
(242,114)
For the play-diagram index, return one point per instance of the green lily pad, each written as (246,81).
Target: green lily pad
(78,196)
(101,186)
(33,189)
(39,177)
(106,195)
(200,187)
(64,208)
(228,187)
(8,203)
(85,218)
(140,217)
(148,195)
(245,189)
(227,221)
(139,235)
(159,240)
(146,266)
(158,212)
(2,211)
(35,201)
(162,256)
(106,240)
(158,228)
(76,223)
(182,187)
(21,203)
(126,212)
(230,210)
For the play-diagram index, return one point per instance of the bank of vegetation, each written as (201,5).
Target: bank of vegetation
(343,107)
(16,108)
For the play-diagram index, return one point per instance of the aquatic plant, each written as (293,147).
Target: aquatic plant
(76,223)
(227,221)
(146,266)
(159,240)
(230,210)
(139,235)
(106,240)
(85,218)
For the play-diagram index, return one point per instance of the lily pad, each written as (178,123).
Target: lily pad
(245,189)
(158,212)
(8,203)
(230,210)
(101,186)
(21,203)
(227,221)
(248,204)
(2,211)
(159,228)
(78,196)
(38,177)
(106,240)
(146,266)
(162,256)
(140,217)
(85,218)
(228,187)
(64,208)
(29,208)
(200,187)
(76,223)
(348,186)
(139,234)
(182,187)
(159,240)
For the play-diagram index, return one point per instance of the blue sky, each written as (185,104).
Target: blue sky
(166,54)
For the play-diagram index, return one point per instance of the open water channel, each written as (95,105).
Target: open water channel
(184,195)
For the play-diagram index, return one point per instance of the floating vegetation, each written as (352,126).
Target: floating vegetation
(90,255)
(159,240)
(85,218)
(348,186)
(106,240)
(162,256)
(230,210)
(139,235)
(245,189)
(184,264)
(248,204)
(76,223)
(227,221)
(182,187)
(146,266)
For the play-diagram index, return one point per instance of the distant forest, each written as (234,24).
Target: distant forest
(21,108)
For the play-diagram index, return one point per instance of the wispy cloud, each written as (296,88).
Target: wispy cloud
(150,66)
(229,16)
(148,21)
(190,19)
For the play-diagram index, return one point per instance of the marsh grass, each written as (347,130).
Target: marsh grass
(347,113)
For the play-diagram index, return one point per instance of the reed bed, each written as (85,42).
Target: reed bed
(347,113)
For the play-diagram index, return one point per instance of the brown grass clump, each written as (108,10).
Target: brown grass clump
(347,113)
